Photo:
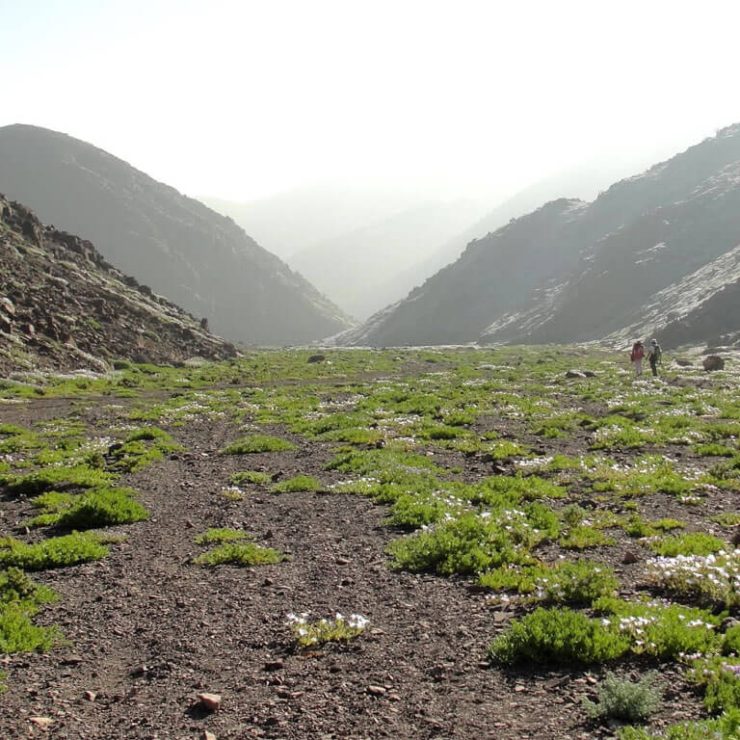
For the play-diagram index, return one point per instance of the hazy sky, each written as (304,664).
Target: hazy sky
(242,98)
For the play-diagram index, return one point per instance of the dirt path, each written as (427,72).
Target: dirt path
(148,630)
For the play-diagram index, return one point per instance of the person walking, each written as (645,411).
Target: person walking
(636,355)
(655,356)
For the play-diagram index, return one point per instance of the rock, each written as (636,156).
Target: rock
(208,735)
(316,358)
(681,362)
(43,722)
(630,557)
(90,695)
(274,665)
(575,374)
(376,690)
(211,702)
(7,306)
(713,362)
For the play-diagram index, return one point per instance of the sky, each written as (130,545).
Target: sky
(242,99)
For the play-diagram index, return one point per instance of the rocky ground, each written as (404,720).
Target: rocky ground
(148,631)
(62,306)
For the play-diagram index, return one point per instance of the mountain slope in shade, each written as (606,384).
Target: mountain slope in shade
(573,271)
(62,306)
(182,249)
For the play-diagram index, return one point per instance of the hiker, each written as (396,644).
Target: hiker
(638,352)
(655,356)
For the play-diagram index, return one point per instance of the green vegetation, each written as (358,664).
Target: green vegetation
(691,543)
(218,536)
(96,507)
(309,633)
(239,553)
(557,636)
(56,552)
(621,699)
(250,476)
(258,443)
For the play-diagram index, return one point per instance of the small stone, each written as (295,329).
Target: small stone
(208,735)
(71,660)
(211,702)
(341,561)
(43,722)
(376,690)
(630,557)
(90,695)
(519,688)
(274,665)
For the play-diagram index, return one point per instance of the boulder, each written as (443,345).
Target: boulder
(713,362)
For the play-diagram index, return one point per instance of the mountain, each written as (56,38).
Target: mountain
(289,222)
(62,306)
(658,250)
(368,268)
(197,258)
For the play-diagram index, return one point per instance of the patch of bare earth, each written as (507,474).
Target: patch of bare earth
(148,630)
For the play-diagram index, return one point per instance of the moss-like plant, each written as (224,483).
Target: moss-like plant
(54,479)
(557,636)
(691,543)
(56,552)
(220,535)
(240,553)
(255,477)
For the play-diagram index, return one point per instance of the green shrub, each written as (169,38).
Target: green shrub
(214,536)
(57,478)
(691,543)
(19,635)
(255,477)
(621,699)
(17,588)
(298,484)
(473,543)
(573,583)
(258,443)
(97,507)
(726,727)
(584,537)
(720,678)
(557,636)
(240,553)
(141,448)
(663,631)
(56,552)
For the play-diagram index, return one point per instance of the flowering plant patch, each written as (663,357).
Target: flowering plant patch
(317,632)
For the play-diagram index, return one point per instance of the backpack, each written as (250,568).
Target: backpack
(638,352)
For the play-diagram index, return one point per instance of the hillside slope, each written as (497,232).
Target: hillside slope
(618,267)
(197,258)
(62,306)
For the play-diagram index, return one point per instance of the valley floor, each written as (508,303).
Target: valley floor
(146,630)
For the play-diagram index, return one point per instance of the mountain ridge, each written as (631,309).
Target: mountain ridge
(184,250)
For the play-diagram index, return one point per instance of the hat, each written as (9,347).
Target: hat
(653,341)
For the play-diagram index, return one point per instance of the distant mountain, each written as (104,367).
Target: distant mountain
(366,269)
(290,222)
(197,258)
(653,251)
(62,306)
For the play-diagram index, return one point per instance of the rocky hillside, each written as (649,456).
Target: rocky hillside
(62,306)
(197,258)
(656,251)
